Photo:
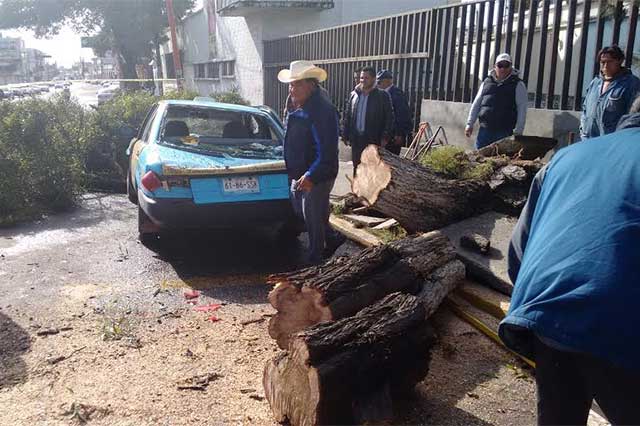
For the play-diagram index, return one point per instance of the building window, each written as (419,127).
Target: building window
(199,70)
(228,68)
(213,70)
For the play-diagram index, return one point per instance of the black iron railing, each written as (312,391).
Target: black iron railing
(445,53)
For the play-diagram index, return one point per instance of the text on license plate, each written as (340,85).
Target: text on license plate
(248,184)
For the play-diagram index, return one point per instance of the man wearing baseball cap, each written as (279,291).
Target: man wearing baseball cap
(311,154)
(500,105)
(401,114)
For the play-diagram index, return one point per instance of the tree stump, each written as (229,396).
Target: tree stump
(419,199)
(344,286)
(345,371)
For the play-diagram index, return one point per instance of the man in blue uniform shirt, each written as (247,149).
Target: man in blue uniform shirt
(609,95)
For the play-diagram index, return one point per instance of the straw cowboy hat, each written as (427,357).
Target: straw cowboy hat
(299,70)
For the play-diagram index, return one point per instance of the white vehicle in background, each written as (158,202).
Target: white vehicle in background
(107,93)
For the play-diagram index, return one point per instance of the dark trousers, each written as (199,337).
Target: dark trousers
(568,382)
(358,144)
(314,208)
(488,136)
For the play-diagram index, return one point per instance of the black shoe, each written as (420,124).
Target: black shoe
(332,245)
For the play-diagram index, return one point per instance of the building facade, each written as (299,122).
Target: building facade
(12,53)
(222,44)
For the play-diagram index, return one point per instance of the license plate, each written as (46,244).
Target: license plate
(236,185)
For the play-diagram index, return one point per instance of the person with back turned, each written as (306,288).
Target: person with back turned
(574,255)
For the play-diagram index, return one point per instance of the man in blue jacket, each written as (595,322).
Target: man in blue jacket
(401,114)
(311,154)
(609,94)
(574,256)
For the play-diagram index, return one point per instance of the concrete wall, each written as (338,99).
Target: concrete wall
(241,38)
(540,122)
(282,23)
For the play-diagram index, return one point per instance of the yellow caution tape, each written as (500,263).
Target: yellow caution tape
(483,328)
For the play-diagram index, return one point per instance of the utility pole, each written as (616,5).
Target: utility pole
(177,62)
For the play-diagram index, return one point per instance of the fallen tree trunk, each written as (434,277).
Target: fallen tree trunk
(344,286)
(344,372)
(419,199)
(524,147)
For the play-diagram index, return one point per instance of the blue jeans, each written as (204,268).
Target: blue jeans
(313,207)
(488,136)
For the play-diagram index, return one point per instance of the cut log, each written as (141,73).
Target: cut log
(335,371)
(475,242)
(344,286)
(523,147)
(416,197)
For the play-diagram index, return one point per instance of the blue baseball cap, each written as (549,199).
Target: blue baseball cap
(383,75)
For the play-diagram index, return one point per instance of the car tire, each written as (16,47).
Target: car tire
(144,235)
(131,191)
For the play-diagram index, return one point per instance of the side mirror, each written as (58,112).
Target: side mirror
(127,132)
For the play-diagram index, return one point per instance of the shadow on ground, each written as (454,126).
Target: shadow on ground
(14,342)
(231,265)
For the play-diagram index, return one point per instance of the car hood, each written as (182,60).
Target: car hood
(182,162)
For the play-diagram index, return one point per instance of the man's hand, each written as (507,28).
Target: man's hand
(467,131)
(304,184)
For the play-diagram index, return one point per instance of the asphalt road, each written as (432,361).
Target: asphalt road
(97,245)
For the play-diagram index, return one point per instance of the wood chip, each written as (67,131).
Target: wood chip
(198,382)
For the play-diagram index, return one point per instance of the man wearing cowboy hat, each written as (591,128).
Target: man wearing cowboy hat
(311,154)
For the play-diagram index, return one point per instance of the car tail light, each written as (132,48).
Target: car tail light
(151,181)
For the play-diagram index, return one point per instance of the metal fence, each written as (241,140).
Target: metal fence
(444,53)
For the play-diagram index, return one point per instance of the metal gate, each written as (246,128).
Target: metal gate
(444,53)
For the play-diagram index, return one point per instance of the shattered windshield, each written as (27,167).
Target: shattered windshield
(221,133)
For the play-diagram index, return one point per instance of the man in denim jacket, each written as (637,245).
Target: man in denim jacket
(609,95)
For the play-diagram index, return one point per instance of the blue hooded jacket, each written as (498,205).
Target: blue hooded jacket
(575,252)
(311,140)
(601,112)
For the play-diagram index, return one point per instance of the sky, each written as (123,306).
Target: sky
(63,48)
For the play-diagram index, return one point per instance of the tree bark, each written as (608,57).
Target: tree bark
(416,197)
(421,200)
(344,286)
(337,372)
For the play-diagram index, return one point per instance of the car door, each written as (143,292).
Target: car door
(138,143)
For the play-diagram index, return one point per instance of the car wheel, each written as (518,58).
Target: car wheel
(131,191)
(144,224)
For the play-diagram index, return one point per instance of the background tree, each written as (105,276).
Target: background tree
(131,29)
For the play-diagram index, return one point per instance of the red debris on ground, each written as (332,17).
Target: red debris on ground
(208,308)
(213,318)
